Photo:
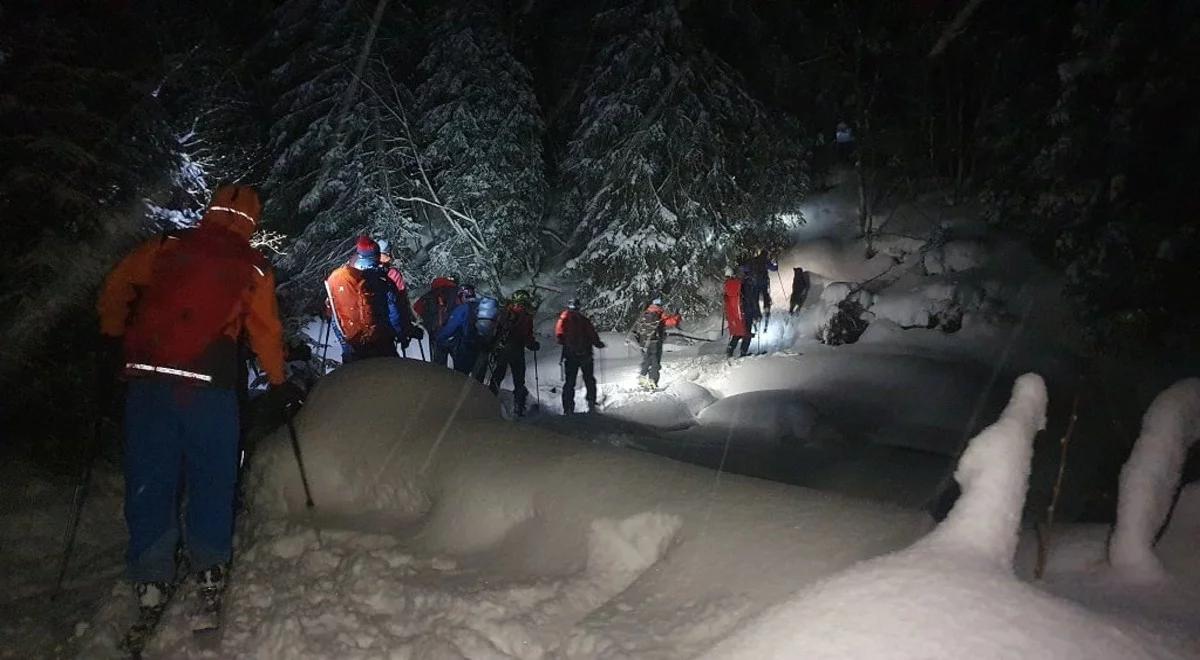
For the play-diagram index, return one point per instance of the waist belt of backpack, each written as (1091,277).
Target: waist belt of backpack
(169,371)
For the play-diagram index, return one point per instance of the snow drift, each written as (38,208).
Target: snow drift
(953,593)
(645,557)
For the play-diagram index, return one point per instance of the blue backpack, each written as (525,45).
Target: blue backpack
(486,316)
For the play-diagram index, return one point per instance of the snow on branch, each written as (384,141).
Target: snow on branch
(994,475)
(270,240)
(1148,480)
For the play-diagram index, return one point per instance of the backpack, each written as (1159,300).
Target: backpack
(487,318)
(647,326)
(353,300)
(198,281)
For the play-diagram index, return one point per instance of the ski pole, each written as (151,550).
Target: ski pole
(537,383)
(291,424)
(325,347)
(782,291)
(421,345)
(81,493)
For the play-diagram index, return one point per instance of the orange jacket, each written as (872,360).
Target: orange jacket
(257,311)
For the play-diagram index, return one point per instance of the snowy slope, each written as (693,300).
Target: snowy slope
(953,594)
(478,537)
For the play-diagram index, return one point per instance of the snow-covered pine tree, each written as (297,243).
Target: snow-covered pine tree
(675,167)
(480,168)
(337,143)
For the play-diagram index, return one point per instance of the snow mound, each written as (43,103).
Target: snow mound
(929,304)
(394,411)
(661,411)
(782,415)
(510,540)
(695,397)
(1170,427)
(952,594)
(956,256)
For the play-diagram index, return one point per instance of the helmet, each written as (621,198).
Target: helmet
(521,297)
(573,303)
(383,246)
(657,301)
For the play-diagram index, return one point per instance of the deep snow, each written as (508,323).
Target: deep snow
(445,530)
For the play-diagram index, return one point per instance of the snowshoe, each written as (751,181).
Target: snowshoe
(152,599)
(645,383)
(210,595)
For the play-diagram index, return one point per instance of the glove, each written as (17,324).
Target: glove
(404,341)
(535,346)
(599,344)
(286,395)
(415,332)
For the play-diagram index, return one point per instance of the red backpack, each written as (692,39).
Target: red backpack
(198,281)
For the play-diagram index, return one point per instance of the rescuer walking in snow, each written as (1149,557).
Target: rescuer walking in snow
(577,336)
(741,311)
(649,331)
(364,306)
(177,307)
(434,308)
(514,335)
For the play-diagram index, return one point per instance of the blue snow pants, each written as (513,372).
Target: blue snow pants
(178,436)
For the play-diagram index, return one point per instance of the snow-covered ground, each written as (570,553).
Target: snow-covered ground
(725,514)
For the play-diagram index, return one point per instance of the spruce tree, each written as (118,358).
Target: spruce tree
(481,147)
(675,168)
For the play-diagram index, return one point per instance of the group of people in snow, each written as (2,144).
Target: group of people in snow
(479,335)
(748,293)
(176,312)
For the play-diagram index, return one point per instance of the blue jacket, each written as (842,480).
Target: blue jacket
(459,330)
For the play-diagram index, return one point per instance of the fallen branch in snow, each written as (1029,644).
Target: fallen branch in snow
(1044,529)
(680,334)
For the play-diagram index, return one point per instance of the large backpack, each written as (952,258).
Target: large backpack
(197,282)
(353,300)
(648,326)
(487,318)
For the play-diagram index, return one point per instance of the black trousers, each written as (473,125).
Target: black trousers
(733,341)
(572,365)
(514,360)
(652,359)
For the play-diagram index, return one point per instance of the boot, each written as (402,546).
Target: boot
(152,597)
(211,583)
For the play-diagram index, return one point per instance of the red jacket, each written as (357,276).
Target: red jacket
(575,333)
(733,308)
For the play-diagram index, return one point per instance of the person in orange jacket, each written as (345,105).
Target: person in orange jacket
(178,306)
(649,331)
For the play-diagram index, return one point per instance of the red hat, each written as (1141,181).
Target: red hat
(365,247)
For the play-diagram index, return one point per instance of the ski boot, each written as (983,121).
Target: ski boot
(211,594)
(152,600)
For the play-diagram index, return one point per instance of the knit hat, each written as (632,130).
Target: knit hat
(366,253)
(365,247)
